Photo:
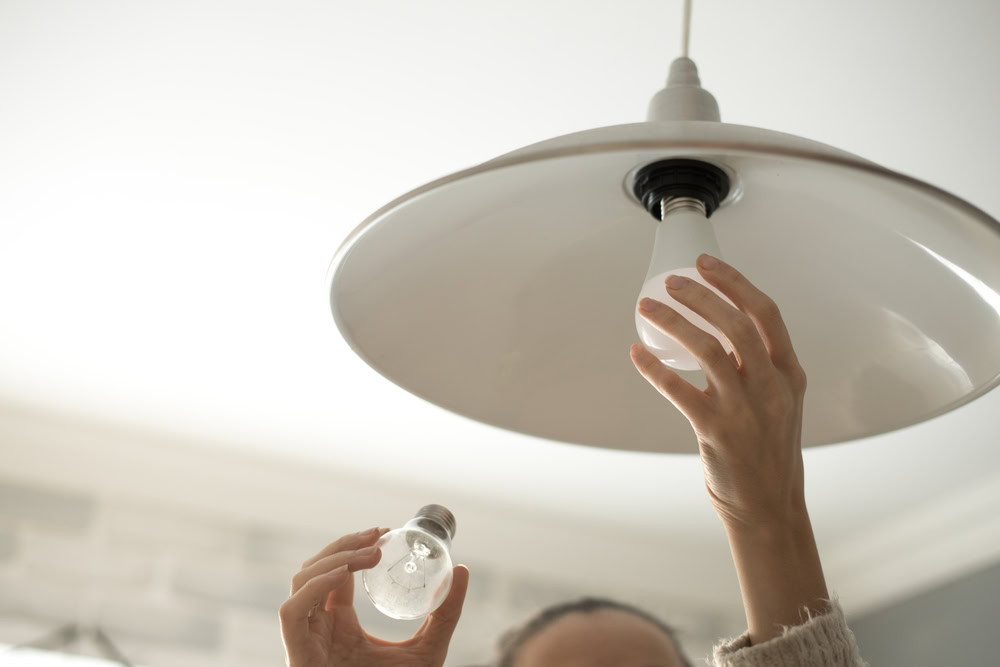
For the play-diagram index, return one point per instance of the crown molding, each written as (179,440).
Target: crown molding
(943,539)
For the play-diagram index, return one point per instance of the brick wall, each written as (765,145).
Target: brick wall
(176,588)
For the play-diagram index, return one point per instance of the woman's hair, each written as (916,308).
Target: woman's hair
(512,640)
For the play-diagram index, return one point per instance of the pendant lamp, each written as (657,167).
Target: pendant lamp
(507,292)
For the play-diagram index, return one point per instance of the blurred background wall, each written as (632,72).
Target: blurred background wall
(953,624)
(182,555)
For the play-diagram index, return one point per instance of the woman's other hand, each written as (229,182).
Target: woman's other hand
(320,628)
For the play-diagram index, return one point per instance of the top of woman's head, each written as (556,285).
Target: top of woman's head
(589,631)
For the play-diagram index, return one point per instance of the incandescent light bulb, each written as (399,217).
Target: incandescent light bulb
(414,575)
(682,235)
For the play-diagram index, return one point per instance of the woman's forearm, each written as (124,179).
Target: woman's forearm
(779,571)
(749,428)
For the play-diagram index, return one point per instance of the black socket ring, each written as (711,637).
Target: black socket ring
(681,178)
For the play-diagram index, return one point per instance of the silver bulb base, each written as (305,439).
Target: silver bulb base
(440,516)
(670,204)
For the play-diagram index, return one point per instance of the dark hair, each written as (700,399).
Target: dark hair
(512,640)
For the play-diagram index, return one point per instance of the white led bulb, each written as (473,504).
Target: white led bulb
(683,234)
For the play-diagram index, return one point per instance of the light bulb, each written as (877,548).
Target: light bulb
(682,235)
(414,575)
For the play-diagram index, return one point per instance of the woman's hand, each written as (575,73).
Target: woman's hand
(320,627)
(749,427)
(749,418)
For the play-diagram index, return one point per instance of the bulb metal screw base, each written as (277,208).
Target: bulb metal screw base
(671,204)
(439,515)
(677,178)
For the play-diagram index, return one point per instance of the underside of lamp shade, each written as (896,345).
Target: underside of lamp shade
(506,292)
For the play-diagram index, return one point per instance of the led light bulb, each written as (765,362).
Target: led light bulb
(682,235)
(414,575)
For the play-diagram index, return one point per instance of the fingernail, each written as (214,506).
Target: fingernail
(647,304)
(676,282)
(708,262)
(367,551)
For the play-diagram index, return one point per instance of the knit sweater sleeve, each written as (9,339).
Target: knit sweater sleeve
(822,641)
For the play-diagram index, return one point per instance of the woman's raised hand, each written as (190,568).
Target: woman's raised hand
(320,628)
(749,418)
(749,427)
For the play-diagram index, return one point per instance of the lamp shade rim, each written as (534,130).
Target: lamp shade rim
(514,209)
(689,136)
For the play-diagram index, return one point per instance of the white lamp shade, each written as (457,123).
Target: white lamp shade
(506,292)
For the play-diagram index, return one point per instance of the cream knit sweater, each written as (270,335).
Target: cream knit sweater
(822,641)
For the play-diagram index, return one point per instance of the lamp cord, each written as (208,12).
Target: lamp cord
(686,35)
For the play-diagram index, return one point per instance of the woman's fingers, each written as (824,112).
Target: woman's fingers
(359,559)
(692,402)
(294,612)
(440,625)
(347,543)
(759,307)
(719,370)
(735,325)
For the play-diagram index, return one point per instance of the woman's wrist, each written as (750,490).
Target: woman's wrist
(791,519)
(779,570)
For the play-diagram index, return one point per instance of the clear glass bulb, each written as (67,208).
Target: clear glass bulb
(683,234)
(414,575)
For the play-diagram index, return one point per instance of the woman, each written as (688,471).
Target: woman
(748,421)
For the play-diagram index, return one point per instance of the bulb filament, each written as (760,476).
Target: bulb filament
(410,575)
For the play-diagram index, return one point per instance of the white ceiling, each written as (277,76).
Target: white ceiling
(175,177)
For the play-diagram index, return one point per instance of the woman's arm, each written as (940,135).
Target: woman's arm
(780,573)
(749,427)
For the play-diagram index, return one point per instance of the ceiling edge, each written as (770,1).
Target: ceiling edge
(931,544)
